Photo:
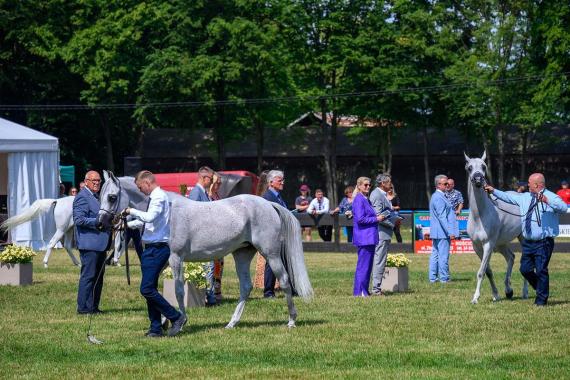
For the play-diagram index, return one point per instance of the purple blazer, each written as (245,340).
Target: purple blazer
(365,224)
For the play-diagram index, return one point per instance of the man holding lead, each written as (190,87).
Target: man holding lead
(156,234)
(539,221)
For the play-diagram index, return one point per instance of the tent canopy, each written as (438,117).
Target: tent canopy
(33,173)
(17,138)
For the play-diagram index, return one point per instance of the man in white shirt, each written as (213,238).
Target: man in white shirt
(320,206)
(156,234)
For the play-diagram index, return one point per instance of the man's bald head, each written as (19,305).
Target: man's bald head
(536,182)
(93,181)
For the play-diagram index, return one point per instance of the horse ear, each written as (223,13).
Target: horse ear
(484,156)
(106,175)
(113,176)
(466,156)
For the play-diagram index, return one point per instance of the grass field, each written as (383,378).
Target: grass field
(430,332)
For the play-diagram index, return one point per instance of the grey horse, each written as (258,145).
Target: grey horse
(62,214)
(241,225)
(492,224)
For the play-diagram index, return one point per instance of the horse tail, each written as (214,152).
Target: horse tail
(39,207)
(292,249)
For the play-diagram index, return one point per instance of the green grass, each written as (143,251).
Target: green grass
(430,332)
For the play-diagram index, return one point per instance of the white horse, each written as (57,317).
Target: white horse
(62,213)
(242,225)
(492,224)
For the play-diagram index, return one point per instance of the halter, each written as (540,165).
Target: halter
(114,214)
(496,204)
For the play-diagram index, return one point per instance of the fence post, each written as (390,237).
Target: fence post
(336,230)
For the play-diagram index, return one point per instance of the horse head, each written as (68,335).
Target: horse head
(112,200)
(476,170)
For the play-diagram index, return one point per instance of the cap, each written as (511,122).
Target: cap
(304,188)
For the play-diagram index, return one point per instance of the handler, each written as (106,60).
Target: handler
(156,233)
(539,228)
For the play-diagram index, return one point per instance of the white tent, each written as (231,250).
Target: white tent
(29,170)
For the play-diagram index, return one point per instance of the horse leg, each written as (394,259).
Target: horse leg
(68,245)
(510,259)
(120,245)
(242,259)
(491,278)
(278,269)
(177,266)
(55,238)
(478,247)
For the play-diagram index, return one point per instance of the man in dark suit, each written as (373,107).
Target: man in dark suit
(91,243)
(275,179)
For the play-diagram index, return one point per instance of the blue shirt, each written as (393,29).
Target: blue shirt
(548,213)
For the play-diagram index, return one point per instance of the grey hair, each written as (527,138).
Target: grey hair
(437,178)
(274,174)
(383,178)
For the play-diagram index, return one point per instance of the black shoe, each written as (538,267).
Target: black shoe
(177,325)
(269,295)
(152,334)
(98,311)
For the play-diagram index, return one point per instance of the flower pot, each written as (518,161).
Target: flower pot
(16,274)
(395,279)
(193,297)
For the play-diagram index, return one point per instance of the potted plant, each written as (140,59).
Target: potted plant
(194,285)
(396,273)
(16,265)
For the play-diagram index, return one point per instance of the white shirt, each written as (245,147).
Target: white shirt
(321,208)
(155,220)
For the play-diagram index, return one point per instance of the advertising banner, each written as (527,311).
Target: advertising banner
(423,243)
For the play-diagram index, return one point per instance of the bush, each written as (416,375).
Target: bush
(14,254)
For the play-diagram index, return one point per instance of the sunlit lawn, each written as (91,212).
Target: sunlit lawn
(430,332)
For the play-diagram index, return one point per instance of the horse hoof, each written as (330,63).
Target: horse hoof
(474,301)
(496,299)
(229,326)
(45,265)
(509,295)
(291,325)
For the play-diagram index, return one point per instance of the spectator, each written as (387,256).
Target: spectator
(395,200)
(564,192)
(301,205)
(345,207)
(260,261)
(456,199)
(521,187)
(61,190)
(365,236)
(200,194)
(275,180)
(386,220)
(539,208)
(81,185)
(442,231)
(320,206)
(73,191)
(218,263)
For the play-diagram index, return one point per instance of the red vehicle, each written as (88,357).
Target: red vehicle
(234,182)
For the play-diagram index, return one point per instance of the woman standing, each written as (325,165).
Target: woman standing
(345,207)
(395,200)
(218,263)
(365,236)
(301,204)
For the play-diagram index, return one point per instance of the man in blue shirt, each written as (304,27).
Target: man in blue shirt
(539,208)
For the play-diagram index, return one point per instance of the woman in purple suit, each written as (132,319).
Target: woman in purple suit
(364,236)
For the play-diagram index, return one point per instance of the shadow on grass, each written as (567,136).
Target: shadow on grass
(194,328)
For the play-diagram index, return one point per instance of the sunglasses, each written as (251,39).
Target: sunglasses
(366,184)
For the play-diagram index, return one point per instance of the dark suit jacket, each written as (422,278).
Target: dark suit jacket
(271,197)
(85,210)
(365,231)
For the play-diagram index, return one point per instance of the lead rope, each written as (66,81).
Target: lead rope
(534,208)
(127,266)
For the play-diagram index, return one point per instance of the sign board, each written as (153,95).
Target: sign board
(564,230)
(423,243)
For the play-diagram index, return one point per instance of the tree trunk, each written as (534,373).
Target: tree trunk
(220,141)
(334,127)
(260,131)
(108,142)
(486,146)
(426,161)
(140,140)
(524,147)
(325,130)
(389,148)
(501,163)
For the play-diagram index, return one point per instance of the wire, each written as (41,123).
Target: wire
(287,99)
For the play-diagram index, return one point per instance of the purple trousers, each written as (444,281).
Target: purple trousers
(363,270)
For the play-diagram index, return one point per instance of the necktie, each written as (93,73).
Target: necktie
(96,195)
(528,220)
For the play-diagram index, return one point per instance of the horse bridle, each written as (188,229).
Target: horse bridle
(496,204)
(118,202)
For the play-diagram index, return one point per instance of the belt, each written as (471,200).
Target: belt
(156,245)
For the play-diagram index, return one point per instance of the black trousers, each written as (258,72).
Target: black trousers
(325,232)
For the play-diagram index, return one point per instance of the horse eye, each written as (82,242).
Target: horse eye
(484,168)
(470,167)
(112,198)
